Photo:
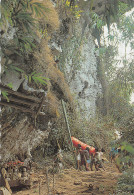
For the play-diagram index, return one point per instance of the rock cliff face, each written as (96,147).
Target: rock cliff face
(78,61)
(78,58)
(20,139)
(83,81)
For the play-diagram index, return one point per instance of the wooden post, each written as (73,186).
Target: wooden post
(53,180)
(68,128)
(47,181)
(39,187)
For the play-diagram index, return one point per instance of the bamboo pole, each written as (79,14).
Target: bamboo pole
(68,128)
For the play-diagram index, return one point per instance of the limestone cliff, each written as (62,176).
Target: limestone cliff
(78,61)
(82,77)
(63,50)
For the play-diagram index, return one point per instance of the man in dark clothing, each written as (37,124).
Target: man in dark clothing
(85,159)
(94,160)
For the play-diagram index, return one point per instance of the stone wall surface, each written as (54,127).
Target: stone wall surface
(81,70)
(21,139)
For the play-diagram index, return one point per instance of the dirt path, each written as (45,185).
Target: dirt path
(73,182)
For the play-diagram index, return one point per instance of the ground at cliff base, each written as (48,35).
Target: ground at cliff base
(72,182)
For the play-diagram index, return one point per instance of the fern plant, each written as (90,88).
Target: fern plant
(37,78)
(10,85)
(5,95)
(15,68)
(21,15)
(37,8)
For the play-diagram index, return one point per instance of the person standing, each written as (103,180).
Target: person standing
(88,160)
(78,156)
(94,160)
(98,160)
(85,159)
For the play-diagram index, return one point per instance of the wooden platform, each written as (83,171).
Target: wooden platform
(20,101)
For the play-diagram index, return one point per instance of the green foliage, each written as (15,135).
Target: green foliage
(97,21)
(15,68)
(114,10)
(119,72)
(125,159)
(126,26)
(127,147)
(125,183)
(20,15)
(122,86)
(37,8)
(18,11)
(10,85)
(123,7)
(5,95)
(37,78)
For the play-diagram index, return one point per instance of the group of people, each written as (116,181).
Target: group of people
(121,158)
(89,160)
